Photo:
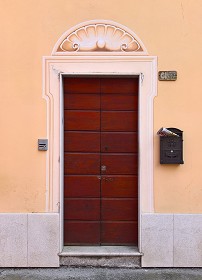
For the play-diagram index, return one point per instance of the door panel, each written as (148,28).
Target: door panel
(119,142)
(119,233)
(118,121)
(81,232)
(82,101)
(82,120)
(81,163)
(119,186)
(119,85)
(81,186)
(119,209)
(81,141)
(82,209)
(118,102)
(119,163)
(81,85)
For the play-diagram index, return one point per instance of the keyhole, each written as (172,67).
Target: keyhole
(106,148)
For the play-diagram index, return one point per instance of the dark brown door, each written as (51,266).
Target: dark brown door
(100,161)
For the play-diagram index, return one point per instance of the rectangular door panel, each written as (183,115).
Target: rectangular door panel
(119,85)
(81,233)
(119,209)
(82,101)
(118,121)
(82,209)
(81,120)
(119,233)
(125,164)
(81,164)
(78,141)
(119,102)
(81,85)
(121,142)
(119,186)
(81,186)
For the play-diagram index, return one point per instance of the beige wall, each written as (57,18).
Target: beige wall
(170,30)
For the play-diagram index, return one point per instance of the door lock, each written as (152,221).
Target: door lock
(103,168)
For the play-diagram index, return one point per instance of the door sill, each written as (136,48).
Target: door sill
(99,251)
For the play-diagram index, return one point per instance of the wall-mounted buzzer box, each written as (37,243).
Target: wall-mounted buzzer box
(171,147)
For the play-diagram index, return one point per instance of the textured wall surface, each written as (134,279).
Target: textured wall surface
(29,240)
(29,30)
(171,240)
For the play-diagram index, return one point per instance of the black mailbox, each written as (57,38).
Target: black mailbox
(171,148)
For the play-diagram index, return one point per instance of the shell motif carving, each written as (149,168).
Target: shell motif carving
(99,37)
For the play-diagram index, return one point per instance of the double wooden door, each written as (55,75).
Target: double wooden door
(100,161)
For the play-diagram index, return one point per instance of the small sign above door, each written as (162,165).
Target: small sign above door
(167,75)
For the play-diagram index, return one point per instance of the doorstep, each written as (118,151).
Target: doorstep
(100,256)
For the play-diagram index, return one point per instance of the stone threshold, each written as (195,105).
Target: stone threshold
(100,251)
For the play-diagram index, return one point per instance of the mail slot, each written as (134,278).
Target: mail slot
(171,147)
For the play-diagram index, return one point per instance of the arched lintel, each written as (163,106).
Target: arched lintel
(125,41)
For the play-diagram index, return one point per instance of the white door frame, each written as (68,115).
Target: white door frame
(98,64)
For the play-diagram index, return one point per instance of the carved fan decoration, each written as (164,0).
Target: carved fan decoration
(99,37)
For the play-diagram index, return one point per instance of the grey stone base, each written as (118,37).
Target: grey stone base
(100,256)
(171,240)
(104,261)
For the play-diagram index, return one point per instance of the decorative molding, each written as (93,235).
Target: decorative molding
(99,36)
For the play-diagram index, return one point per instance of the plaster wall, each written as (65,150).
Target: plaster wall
(170,30)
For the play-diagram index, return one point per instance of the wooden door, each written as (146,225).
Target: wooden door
(100,161)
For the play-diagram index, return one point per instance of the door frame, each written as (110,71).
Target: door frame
(54,68)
